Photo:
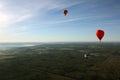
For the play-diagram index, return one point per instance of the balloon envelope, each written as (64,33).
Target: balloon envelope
(65,12)
(100,34)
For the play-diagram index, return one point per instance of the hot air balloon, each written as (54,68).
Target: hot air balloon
(65,12)
(100,34)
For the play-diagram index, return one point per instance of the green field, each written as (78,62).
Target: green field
(61,62)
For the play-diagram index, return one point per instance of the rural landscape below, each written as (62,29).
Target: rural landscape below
(60,61)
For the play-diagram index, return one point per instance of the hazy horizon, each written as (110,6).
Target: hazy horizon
(68,42)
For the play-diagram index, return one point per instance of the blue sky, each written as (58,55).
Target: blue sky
(44,21)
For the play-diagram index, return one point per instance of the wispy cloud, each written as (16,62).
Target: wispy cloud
(68,20)
(24,28)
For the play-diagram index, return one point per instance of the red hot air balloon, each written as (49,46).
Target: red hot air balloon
(100,34)
(65,12)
